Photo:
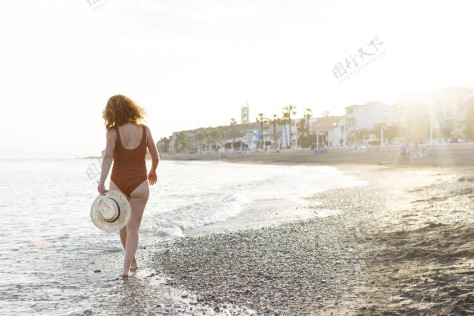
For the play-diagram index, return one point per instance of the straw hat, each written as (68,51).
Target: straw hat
(110,212)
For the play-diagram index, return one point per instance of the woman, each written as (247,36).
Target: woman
(127,143)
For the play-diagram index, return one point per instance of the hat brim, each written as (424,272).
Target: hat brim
(121,221)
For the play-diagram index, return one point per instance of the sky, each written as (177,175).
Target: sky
(194,63)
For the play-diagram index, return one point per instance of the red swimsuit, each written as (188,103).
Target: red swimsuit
(129,170)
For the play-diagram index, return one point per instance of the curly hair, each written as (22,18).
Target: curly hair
(120,110)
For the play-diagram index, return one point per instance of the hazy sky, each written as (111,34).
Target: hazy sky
(194,63)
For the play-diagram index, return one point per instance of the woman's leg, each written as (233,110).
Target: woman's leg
(138,200)
(123,239)
(123,231)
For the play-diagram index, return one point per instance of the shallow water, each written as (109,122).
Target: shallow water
(195,194)
(49,248)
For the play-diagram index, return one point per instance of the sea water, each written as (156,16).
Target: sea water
(46,229)
(194,194)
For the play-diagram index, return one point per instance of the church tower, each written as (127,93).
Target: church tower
(244,114)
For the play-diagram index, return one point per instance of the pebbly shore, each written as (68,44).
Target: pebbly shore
(403,245)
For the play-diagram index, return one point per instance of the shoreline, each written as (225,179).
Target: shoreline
(349,262)
(456,155)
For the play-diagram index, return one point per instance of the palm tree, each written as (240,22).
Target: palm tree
(275,121)
(181,141)
(233,122)
(206,136)
(163,145)
(307,114)
(285,133)
(301,127)
(199,140)
(223,136)
(260,119)
(214,135)
(288,110)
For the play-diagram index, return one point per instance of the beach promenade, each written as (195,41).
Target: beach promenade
(445,155)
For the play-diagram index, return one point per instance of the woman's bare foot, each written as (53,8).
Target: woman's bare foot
(125,275)
(134,266)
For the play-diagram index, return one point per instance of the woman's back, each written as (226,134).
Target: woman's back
(130,135)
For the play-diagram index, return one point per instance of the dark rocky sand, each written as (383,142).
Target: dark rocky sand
(403,245)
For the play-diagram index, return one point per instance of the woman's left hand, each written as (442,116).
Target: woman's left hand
(101,189)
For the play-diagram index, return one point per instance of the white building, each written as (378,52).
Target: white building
(251,139)
(337,134)
(361,121)
(285,141)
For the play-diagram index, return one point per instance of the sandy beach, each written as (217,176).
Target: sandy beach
(403,245)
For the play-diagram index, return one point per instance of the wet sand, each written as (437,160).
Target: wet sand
(403,245)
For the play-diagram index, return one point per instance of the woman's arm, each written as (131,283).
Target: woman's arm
(155,157)
(107,159)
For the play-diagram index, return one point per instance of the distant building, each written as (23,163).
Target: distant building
(329,131)
(251,139)
(337,132)
(362,120)
(256,140)
(436,116)
(451,111)
(244,114)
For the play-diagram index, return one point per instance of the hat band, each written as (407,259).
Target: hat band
(118,213)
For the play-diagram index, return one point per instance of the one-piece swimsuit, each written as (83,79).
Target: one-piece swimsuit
(129,169)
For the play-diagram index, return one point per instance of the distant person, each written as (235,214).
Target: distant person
(127,143)
(403,150)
